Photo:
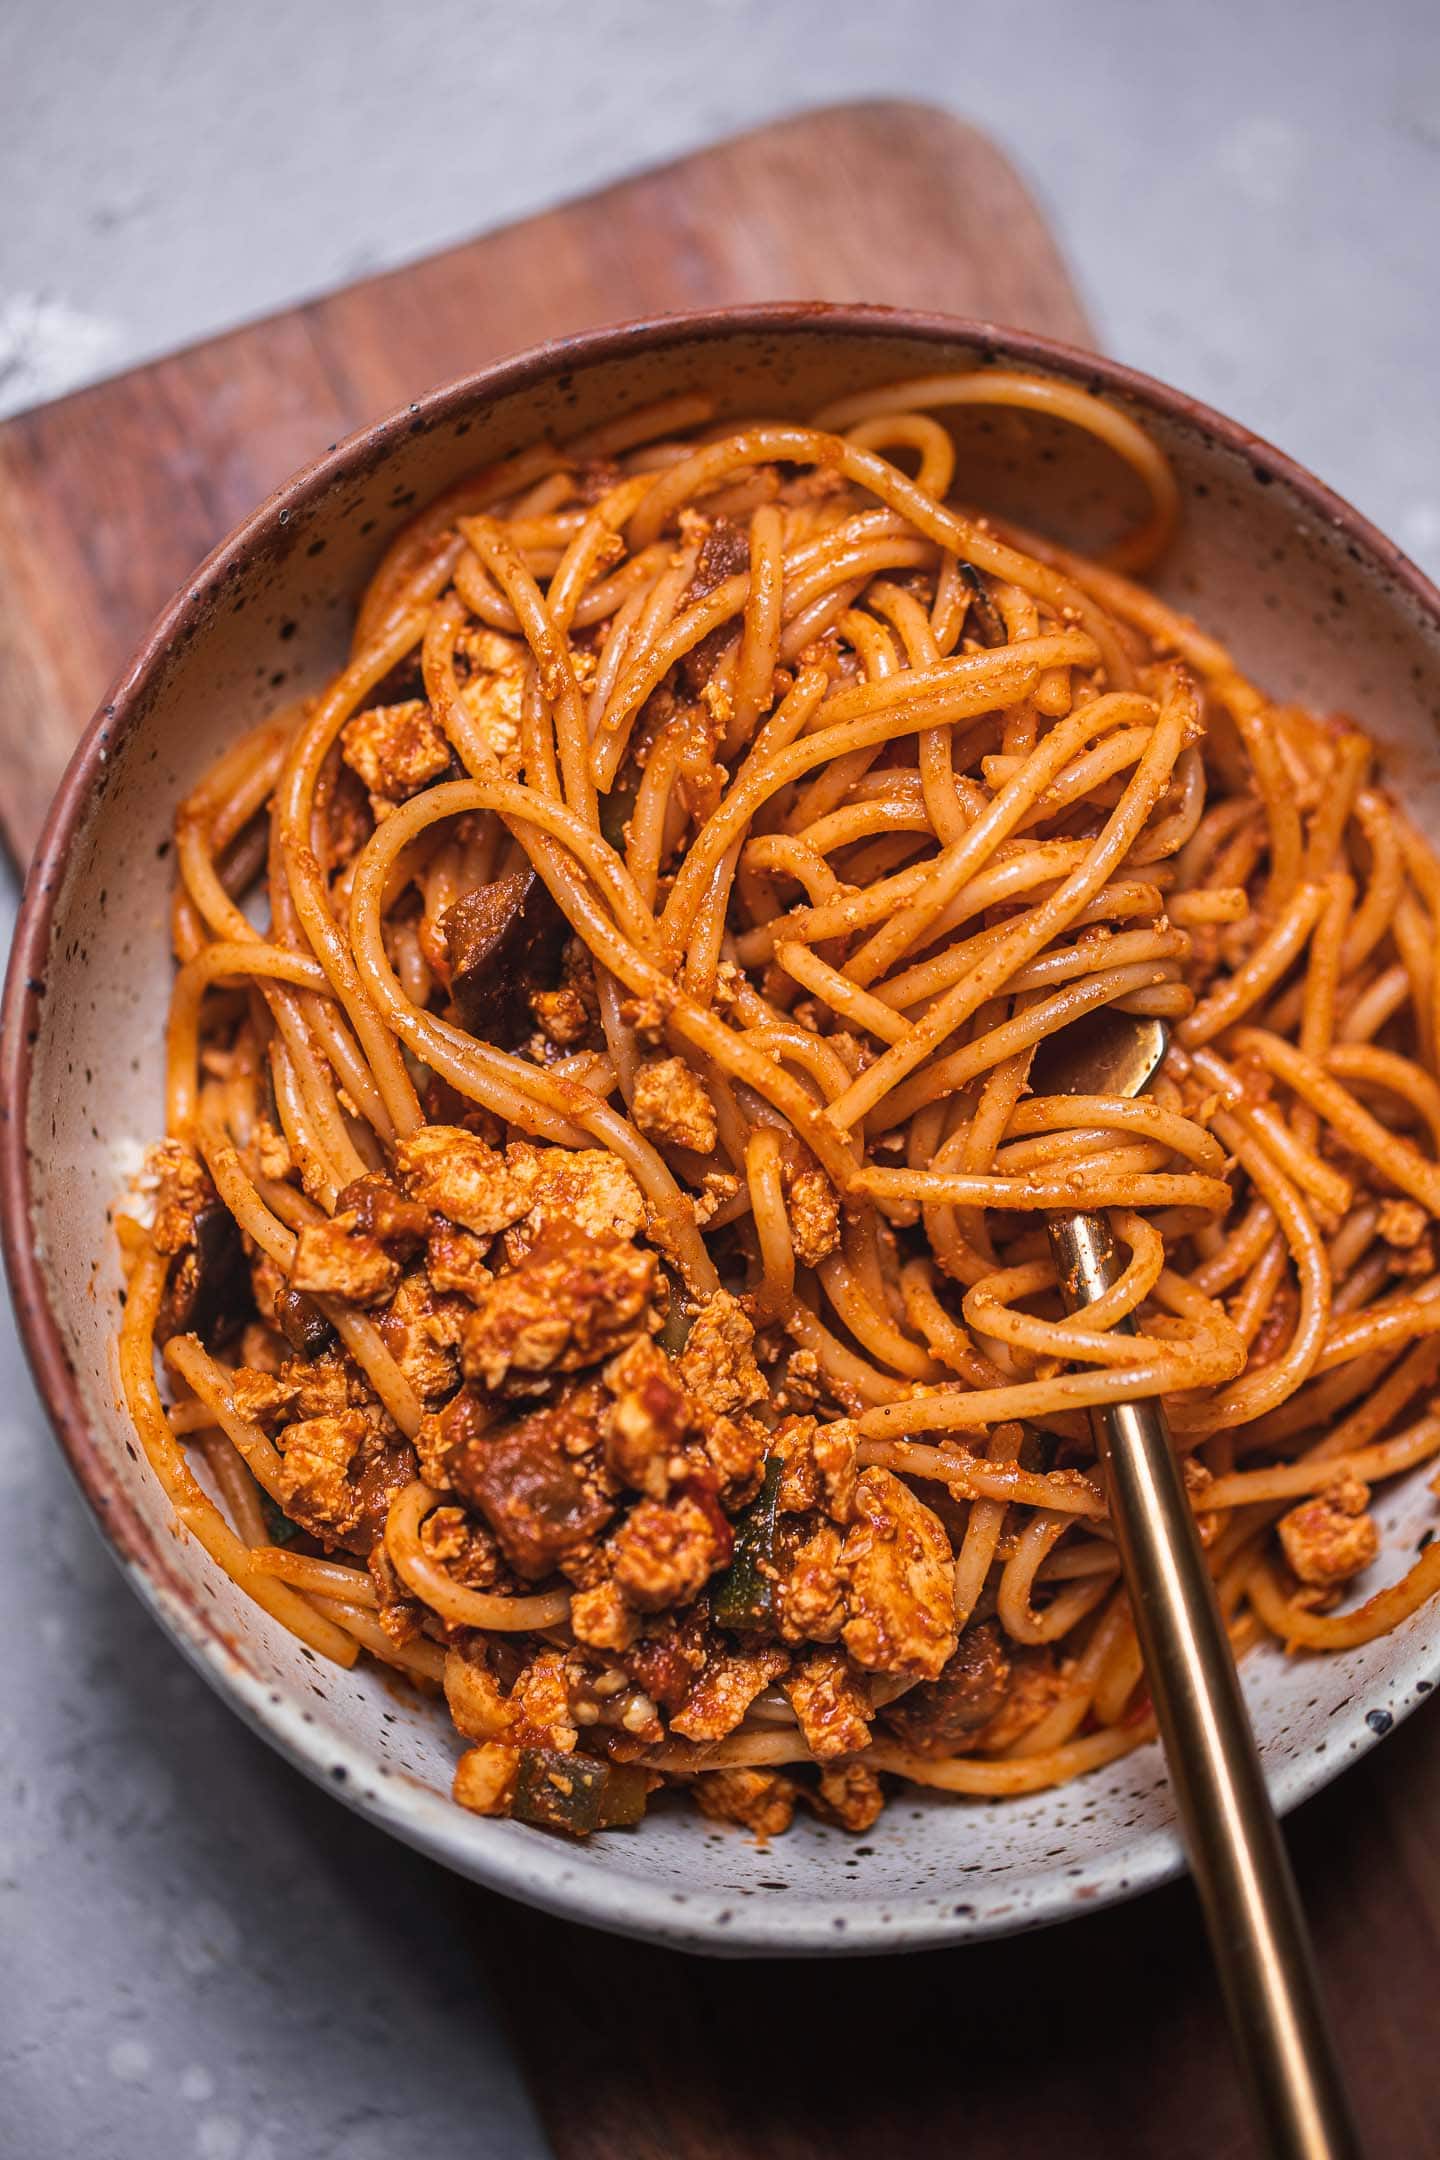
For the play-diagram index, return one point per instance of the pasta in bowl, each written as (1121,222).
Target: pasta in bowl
(597,1259)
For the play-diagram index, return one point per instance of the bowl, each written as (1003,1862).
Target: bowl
(1317,605)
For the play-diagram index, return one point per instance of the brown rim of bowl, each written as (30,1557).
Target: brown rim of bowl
(141,1551)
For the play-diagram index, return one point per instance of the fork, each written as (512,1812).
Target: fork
(1257,1931)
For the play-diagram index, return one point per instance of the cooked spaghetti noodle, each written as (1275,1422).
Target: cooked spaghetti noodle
(599,1252)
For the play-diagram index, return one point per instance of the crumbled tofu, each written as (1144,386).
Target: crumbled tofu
(342,1470)
(601,1618)
(761,1801)
(454,1171)
(850,1795)
(463,1547)
(671,1105)
(272,1151)
(818,1466)
(395,749)
(1402,1223)
(261,1397)
(490,652)
(571,1302)
(646,1016)
(1331,1536)
(718,703)
(333,1260)
(648,1421)
(432,1452)
(317,1456)
(717,1189)
(737,1448)
(899,1577)
(718,1363)
(477,1702)
(587,1187)
(540,1701)
(729,981)
(455,1260)
(560,1016)
(485,1778)
(798,1387)
(421,1330)
(813,1208)
(183,1189)
(724,1690)
(664,1552)
(443,1534)
(799,1489)
(494,694)
(1414,1260)
(835,1447)
(323,1386)
(830,1705)
(809,1595)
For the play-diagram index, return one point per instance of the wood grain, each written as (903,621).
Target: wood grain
(1101,2040)
(110,497)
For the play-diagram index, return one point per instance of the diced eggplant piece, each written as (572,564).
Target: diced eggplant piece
(524,1482)
(209,1292)
(502,940)
(938,1717)
(303,1324)
(616,810)
(382,1211)
(404,681)
(699,664)
(724,553)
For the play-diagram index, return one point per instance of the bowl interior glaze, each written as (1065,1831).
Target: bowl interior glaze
(1313,602)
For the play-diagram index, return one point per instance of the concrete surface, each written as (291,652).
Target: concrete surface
(203,1956)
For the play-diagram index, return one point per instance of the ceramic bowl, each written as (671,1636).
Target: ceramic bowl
(1317,605)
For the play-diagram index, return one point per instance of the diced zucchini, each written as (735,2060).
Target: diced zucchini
(744,1596)
(627,1788)
(675,1332)
(277,1523)
(575,1793)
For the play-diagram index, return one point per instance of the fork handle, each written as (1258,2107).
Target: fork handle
(1257,1931)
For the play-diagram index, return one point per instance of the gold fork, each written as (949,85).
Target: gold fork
(1257,1931)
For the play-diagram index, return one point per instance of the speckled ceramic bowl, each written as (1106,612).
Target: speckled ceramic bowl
(1317,605)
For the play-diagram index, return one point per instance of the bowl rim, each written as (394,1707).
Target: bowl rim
(538,1870)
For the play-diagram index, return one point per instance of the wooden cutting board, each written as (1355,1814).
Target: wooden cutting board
(1102,2037)
(109,498)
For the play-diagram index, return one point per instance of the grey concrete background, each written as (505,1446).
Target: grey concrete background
(201,1955)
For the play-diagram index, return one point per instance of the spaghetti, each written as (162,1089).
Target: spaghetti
(598,1255)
